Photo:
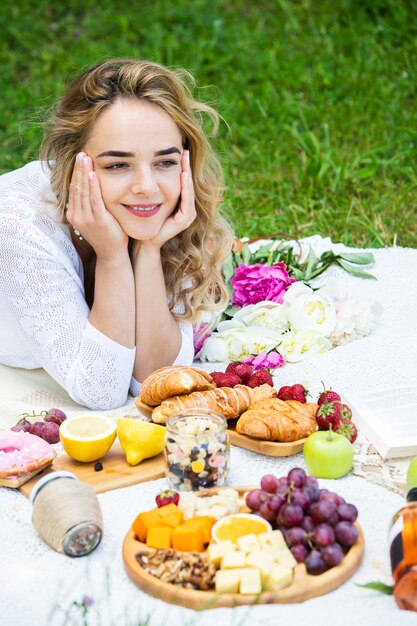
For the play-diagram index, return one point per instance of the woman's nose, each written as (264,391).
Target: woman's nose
(144,182)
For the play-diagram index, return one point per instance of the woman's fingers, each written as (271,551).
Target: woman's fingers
(85,189)
(187,204)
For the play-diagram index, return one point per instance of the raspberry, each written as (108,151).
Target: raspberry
(243,370)
(261,377)
(299,393)
(348,430)
(225,379)
(285,393)
(329,415)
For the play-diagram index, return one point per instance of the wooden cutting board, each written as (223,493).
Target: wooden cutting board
(269,448)
(116,473)
(303,587)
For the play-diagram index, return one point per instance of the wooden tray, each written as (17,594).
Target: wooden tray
(116,473)
(303,587)
(269,448)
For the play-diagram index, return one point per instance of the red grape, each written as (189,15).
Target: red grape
(254,499)
(51,432)
(315,563)
(332,554)
(276,501)
(295,535)
(322,511)
(37,429)
(267,512)
(313,492)
(347,512)
(299,552)
(298,496)
(291,515)
(323,535)
(308,524)
(297,476)
(22,424)
(269,483)
(346,534)
(55,415)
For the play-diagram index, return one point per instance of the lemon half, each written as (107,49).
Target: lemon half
(87,438)
(140,440)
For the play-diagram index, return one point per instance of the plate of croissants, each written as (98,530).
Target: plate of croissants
(257,419)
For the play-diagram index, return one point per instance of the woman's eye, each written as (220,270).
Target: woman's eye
(115,166)
(167,163)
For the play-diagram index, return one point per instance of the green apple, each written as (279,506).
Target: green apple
(328,454)
(412,474)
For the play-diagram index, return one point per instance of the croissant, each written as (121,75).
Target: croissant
(278,420)
(174,380)
(230,401)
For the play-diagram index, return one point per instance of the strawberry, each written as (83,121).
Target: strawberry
(346,412)
(261,377)
(348,430)
(167,497)
(243,370)
(328,396)
(285,393)
(329,414)
(225,379)
(293,392)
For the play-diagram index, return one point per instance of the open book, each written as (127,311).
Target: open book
(387,418)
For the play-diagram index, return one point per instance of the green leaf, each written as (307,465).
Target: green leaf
(346,266)
(228,267)
(361,258)
(378,586)
(246,254)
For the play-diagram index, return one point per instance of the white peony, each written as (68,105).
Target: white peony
(238,343)
(310,310)
(298,345)
(354,319)
(266,313)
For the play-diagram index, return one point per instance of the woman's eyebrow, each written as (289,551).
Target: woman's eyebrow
(131,155)
(167,151)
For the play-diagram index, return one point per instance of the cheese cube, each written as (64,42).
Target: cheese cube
(285,557)
(216,551)
(248,543)
(273,540)
(259,558)
(250,580)
(233,559)
(227,580)
(277,578)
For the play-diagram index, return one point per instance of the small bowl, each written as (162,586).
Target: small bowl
(258,525)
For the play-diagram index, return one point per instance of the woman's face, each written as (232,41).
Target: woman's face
(136,151)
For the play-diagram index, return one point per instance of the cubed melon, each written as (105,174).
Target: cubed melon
(144,521)
(159,537)
(188,538)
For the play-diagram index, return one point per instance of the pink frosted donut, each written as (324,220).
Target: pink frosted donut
(22,453)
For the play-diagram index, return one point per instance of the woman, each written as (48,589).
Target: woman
(112,247)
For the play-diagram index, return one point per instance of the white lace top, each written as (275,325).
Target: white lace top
(43,312)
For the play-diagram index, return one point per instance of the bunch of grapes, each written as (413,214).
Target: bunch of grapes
(317,524)
(47,429)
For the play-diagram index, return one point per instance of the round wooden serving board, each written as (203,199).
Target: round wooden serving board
(303,587)
(269,448)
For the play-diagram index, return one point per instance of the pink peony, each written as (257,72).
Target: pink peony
(255,283)
(270,360)
(201,333)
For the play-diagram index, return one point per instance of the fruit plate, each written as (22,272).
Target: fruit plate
(116,473)
(303,587)
(269,448)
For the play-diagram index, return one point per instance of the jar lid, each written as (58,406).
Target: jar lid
(405,591)
(46,479)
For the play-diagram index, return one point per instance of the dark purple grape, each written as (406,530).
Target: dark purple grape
(282,490)
(321,511)
(295,535)
(51,432)
(347,512)
(313,492)
(330,496)
(312,480)
(269,483)
(334,519)
(298,496)
(254,499)
(297,476)
(275,502)
(37,429)
(323,535)
(55,415)
(346,534)
(291,515)
(299,552)
(22,424)
(308,524)
(267,512)
(315,563)
(283,480)
(332,554)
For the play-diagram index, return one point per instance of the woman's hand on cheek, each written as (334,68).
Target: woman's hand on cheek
(185,213)
(87,213)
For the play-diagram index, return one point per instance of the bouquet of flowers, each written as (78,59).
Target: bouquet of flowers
(275,315)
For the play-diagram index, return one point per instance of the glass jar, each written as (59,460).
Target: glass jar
(197,450)
(403,553)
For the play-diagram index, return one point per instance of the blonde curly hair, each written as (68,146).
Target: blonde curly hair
(193,260)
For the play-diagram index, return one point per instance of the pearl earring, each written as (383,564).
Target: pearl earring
(77,232)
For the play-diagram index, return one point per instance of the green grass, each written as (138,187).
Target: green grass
(318,95)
